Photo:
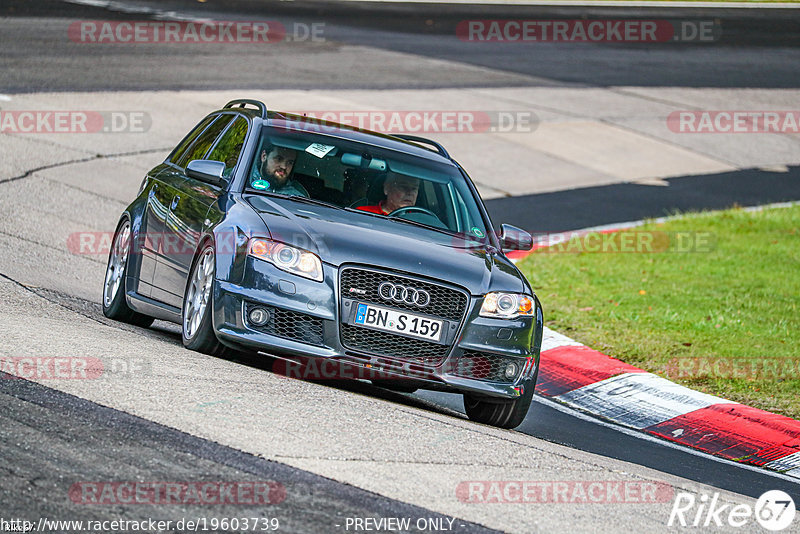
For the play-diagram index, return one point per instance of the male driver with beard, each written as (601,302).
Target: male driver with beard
(273,171)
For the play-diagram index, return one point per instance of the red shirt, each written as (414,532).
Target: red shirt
(374,209)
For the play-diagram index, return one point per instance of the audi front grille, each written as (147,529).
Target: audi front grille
(446,303)
(409,294)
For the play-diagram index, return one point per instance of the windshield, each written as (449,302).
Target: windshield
(367,179)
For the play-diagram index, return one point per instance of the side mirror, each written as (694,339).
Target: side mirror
(206,170)
(513,238)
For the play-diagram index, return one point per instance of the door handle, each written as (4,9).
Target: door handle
(174,202)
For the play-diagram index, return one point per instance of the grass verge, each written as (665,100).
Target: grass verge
(708,300)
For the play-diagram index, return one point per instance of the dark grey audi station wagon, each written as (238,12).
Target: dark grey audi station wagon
(314,242)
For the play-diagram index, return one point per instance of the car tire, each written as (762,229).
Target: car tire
(502,413)
(197,329)
(115,305)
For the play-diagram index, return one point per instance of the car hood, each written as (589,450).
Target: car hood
(340,236)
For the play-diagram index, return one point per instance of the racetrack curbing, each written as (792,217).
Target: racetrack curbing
(595,383)
(592,382)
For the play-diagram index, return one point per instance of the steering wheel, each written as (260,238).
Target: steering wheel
(434,219)
(410,209)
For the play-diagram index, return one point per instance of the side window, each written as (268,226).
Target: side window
(206,139)
(178,152)
(229,146)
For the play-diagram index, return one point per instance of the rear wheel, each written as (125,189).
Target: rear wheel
(114,304)
(503,413)
(198,303)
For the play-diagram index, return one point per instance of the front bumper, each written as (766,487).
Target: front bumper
(307,319)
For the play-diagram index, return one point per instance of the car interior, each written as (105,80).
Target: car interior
(351,180)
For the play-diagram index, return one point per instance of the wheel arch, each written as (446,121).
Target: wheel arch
(133,266)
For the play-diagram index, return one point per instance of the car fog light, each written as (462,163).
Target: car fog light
(511,370)
(258,316)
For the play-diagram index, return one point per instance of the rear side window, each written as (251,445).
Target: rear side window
(229,146)
(205,140)
(187,142)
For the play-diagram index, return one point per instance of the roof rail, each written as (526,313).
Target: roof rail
(439,148)
(244,101)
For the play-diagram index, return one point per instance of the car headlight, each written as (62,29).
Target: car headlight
(506,305)
(290,259)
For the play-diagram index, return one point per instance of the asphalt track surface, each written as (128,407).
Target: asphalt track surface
(574,209)
(749,52)
(124,447)
(63,434)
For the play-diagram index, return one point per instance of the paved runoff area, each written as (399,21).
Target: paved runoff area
(513,141)
(56,186)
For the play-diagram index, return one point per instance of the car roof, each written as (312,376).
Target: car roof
(417,146)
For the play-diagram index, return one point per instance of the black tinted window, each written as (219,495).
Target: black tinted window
(186,143)
(205,140)
(229,146)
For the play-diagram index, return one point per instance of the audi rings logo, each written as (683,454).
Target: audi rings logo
(404,295)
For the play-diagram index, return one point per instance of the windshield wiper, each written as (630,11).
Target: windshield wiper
(317,202)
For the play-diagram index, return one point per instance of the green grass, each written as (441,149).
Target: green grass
(723,321)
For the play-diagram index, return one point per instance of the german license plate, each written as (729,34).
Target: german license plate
(398,321)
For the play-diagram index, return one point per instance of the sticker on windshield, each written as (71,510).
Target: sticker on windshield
(319,150)
(260,184)
(477,231)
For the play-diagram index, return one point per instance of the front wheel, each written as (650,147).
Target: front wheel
(198,329)
(114,304)
(502,413)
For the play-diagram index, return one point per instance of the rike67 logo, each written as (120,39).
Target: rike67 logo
(775,510)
